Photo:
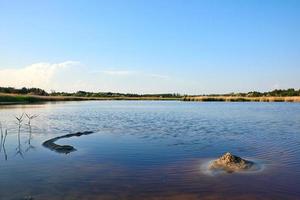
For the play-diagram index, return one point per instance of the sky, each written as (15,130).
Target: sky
(150,46)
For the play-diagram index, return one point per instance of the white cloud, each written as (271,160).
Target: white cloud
(35,75)
(71,76)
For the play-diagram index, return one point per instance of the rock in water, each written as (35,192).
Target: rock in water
(231,163)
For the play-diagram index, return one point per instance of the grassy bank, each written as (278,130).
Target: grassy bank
(242,99)
(23,99)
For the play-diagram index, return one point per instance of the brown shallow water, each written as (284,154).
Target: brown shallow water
(151,150)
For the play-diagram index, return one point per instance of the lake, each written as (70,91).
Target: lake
(150,150)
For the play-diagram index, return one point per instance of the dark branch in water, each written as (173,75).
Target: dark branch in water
(50,144)
(3,145)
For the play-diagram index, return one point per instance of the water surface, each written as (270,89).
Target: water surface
(150,150)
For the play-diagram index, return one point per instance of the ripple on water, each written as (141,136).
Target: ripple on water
(153,149)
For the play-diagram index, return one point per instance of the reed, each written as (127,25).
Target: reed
(1,131)
(19,120)
(19,123)
(30,118)
(2,142)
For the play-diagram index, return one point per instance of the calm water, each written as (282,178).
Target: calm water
(150,150)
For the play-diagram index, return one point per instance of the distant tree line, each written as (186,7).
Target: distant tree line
(24,90)
(273,93)
(41,92)
(112,94)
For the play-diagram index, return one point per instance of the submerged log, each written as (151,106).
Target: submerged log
(50,144)
(231,163)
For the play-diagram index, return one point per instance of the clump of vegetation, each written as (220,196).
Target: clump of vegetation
(231,163)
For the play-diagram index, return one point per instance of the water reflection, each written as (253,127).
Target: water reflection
(151,150)
(3,139)
(19,149)
(49,144)
(30,117)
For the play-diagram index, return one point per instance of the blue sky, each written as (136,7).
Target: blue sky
(151,46)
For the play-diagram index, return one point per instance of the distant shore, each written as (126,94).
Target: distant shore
(7,99)
(243,99)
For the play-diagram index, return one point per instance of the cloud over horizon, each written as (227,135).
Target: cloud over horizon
(36,75)
(72,76)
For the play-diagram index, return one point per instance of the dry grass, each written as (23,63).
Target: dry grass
(242,99)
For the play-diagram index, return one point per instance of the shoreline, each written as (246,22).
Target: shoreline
(242,99)
(14,99)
